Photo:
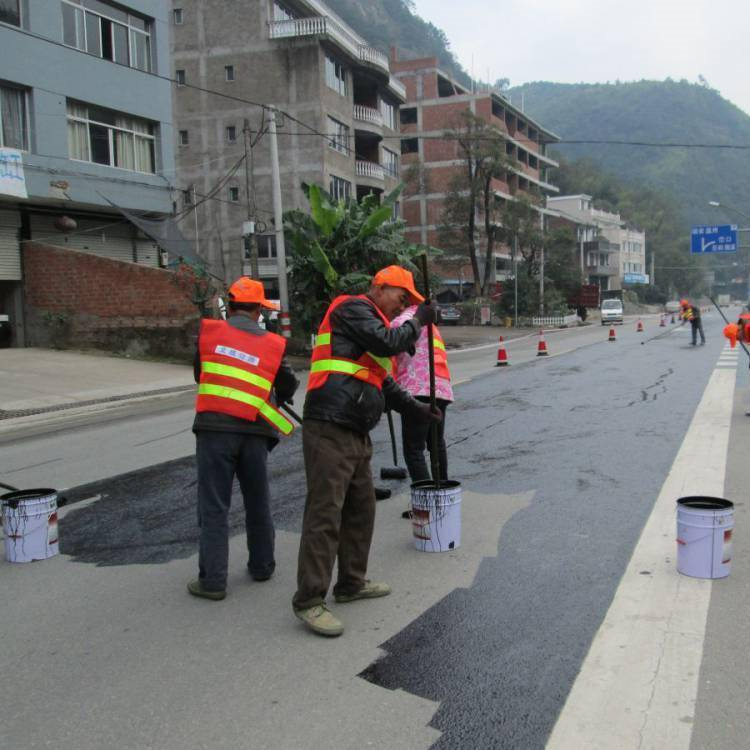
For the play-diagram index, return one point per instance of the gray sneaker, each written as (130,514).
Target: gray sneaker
(320,620)
(370,590)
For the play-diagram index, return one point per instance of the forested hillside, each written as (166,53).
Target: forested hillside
(654,112)
(389,23)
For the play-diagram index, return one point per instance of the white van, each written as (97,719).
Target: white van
(611,311)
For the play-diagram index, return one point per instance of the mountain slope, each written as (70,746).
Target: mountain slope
(653,112)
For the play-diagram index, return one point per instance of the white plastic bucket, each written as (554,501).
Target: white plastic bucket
(30,525)
(436,515)
(704,536)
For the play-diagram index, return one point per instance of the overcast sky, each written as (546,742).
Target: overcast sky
(592,41)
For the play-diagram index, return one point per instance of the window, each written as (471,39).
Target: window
(409,145)
(10,12)
(107,31)
(184,139)
(13,128)
(335,75)
(408,115)
(229,72)
(390,162)
(179,76)
(266,246)
(178,18)
(187,197)
(339,140)
(282,13)
(103,136)
(396,214)
(389,115)
(231,134)
(340,189)
(234,194)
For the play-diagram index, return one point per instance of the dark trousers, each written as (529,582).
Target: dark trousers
(416,437)
(339,512)
(221,456)
(696,327)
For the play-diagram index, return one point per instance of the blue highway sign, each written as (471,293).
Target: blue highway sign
(720,238)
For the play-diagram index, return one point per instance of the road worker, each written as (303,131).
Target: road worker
(412,373)
(692,314)
(242,377)
(349,386)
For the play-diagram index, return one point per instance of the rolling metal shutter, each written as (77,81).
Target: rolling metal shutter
(108,236)
(10,245)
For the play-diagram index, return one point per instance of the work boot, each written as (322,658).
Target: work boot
(369,591)
(196,589)
(320,620)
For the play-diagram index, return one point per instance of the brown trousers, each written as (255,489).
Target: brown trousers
(339,511)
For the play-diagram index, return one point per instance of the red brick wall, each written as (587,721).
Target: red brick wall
(98,300)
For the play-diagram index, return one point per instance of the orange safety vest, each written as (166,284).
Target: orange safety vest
(441,356)
(369,368)
(237,373)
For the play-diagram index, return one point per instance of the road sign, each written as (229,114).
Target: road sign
(721,238)
(635,278)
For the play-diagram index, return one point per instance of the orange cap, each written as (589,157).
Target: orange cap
(684,303)
(248,291)
(400,277)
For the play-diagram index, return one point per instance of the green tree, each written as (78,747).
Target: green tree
(337,248)
(471,218)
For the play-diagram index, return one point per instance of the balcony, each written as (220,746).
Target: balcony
(325,26)
(369,115)
(601,270)
(369,170)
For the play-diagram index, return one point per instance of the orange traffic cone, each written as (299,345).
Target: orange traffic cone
(639,329)
(502,355)
(612,334)
(542,348)
(661,322)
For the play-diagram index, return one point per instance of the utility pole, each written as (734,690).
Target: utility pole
(541,265)
(250,200)
(286,328)
(515,280)
(195,214)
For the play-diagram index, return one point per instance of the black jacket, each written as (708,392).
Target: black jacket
(284,386)
(356,328)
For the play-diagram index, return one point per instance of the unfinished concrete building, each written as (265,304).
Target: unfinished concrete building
(301,58)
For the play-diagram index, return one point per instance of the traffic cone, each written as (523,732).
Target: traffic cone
(502,355)
(661,322)
(672,318)
(542,348)
(639,329)
(612,336)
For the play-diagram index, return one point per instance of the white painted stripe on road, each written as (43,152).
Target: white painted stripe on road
(638,685)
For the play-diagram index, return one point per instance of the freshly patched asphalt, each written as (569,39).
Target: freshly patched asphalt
(591,434)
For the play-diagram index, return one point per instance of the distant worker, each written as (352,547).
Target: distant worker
(242,376)
(412,373)
(692,314)
(349,385)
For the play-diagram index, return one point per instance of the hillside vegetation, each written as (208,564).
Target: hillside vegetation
(653,112)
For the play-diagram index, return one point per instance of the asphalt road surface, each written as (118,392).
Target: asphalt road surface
(561,461)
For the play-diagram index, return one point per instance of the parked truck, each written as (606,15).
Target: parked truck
(723,300)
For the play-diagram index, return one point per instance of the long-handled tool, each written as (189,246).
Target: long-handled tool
(434,453)
(721,312)
(395,471)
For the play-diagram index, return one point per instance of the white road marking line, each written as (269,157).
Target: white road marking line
(638,685)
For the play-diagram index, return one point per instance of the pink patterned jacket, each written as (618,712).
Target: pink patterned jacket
(413,373)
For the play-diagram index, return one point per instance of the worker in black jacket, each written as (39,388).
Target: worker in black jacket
(349,386)
(243,376)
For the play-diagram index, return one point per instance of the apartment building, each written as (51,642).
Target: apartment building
(613,253)
(434,104)
(84,128)
(298,56)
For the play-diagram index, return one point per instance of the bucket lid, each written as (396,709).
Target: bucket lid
(12,499)
(702,502)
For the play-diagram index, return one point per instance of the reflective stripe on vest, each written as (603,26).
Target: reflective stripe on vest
(235,372)
(278,420)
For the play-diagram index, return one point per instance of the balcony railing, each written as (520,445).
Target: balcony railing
(369,170)
(596,270)
(368,114)
(326,26)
